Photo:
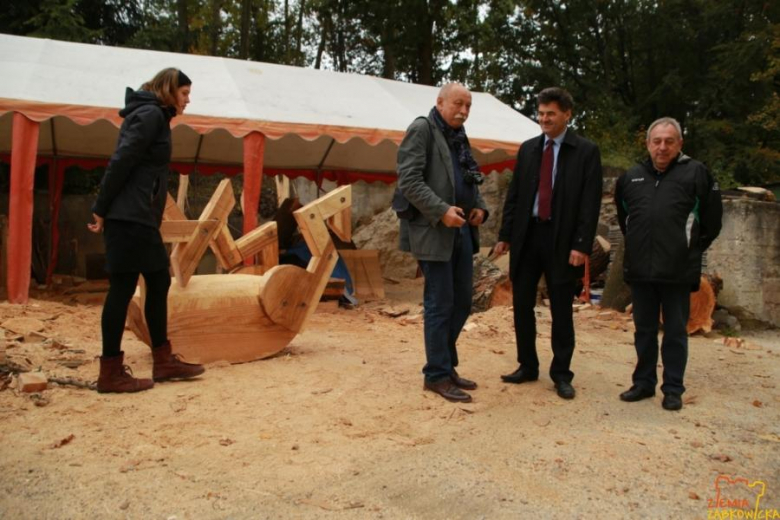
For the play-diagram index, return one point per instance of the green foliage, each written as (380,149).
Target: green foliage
(58,20)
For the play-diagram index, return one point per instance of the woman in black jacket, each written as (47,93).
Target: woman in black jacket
(128,212)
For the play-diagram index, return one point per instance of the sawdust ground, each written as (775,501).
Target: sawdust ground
(338,426)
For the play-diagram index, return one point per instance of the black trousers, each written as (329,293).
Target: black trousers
(535,260)
(650,300)
(120,292)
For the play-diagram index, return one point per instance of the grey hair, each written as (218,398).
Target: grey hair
(670,121)
(447,87)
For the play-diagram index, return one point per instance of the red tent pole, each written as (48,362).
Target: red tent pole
(254,150)
(24,147)
(56,181)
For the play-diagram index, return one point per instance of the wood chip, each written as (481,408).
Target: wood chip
(62,442)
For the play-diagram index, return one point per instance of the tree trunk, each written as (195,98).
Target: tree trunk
(215,26)
(184,25)
(388,66)
(287,31)
(325,26)
(617,295)
(299,33)
(246,18)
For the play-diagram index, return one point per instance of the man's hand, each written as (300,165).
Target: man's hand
(500,248)
(576,258)
(454,217)
(97,226)
(476,217)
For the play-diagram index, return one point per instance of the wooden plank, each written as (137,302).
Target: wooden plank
(366,272)
(256,240)
(186,255)
(341,224)
(221,203)
(224,248)
(313,229)
(312,218)
(172,211)
(181,196)
(174,231)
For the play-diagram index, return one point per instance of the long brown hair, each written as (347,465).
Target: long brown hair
(164,85)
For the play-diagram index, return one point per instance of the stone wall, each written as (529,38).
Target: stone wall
(746,256)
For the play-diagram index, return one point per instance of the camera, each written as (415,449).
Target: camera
(473,177)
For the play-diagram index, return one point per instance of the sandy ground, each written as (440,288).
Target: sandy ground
(338,426)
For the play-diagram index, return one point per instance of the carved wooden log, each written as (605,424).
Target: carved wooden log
(217,317)
(243,317)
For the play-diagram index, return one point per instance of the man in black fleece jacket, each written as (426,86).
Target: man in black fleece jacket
(669,209)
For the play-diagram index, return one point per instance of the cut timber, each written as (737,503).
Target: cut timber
(703,304)
(32,382)
(492,285)
(175,231)
(243,317)
(366,272)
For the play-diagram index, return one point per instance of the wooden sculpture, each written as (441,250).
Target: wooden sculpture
(243,317)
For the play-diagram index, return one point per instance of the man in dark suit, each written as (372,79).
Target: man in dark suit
(549,221)
(438,176)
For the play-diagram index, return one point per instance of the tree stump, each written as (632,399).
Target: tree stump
(599,257)
(491,285)
(617,295)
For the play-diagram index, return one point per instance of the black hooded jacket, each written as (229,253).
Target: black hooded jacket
(134,187)
(669,220)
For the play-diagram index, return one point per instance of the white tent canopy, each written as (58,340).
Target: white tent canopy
(312,119)
(59,101)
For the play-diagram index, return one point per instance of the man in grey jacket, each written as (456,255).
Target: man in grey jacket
(439,178)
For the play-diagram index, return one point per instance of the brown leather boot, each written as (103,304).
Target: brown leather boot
(168,365)
(117,377)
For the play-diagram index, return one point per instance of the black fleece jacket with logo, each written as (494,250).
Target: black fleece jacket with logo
(669,219)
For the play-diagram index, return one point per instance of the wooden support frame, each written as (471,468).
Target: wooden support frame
(267,310)
(192,237)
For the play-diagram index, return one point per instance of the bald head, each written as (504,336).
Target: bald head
(454,104)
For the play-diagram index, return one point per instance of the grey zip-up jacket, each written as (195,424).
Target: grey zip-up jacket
(427,181)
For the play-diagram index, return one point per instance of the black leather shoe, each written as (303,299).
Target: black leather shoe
(672,402)
(448,390)
(636,393)
(461,382)
(521,375)
(565,390)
